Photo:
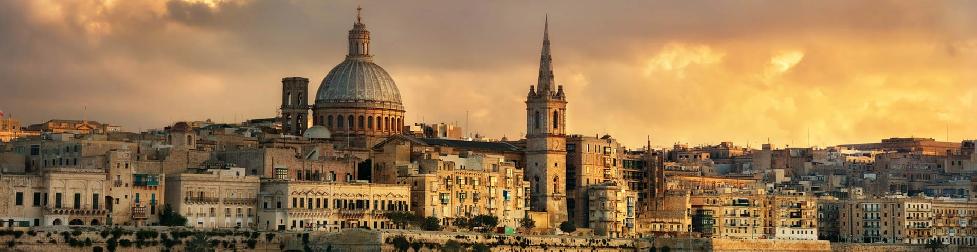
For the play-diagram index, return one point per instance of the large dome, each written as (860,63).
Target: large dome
(357,81)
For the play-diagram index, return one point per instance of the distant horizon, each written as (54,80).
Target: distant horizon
(696,72)
(739,144)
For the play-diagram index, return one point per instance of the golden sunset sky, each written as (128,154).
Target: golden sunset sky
(696,72)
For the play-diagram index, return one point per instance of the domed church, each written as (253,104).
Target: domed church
(357,101)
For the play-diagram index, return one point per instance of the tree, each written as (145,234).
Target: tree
(431,224)
(400,243)
(484,221)
(199,243)
(568,227)
(527,222)
(451,246)
(168,217)
(403,219)
(478,247)
(416,245)
(934,244)
(461,222)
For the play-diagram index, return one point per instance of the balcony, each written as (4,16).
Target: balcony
(201,200)
(140,212)
(75,212)
(117,183)
(353,213)
(240,201)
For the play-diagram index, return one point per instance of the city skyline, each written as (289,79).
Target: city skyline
(843,73)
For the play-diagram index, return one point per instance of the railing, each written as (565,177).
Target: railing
(76,212)
(140,212)
(240,201)
(117,183)
(201,200)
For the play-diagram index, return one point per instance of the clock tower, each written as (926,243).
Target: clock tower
(546,140)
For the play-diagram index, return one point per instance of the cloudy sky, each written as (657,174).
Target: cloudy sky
(680,71)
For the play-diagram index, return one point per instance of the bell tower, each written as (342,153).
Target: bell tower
(295,105)
(546,140)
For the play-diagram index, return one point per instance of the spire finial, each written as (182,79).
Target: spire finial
(546,27)
(546,84)
(358,11)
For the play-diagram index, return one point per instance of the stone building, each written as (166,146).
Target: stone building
(10,129)
(328,206)
(135,196)
(828,213)
(886,220)
(214,197)
(546,140)
(792,216)
(463,186)
(671,216)
(307,163)
(57,196)
(612,209)
(74,127)
(399,155)
(593,161)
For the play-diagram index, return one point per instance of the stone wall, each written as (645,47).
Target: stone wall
(865,247)
(705,244)
(87,239)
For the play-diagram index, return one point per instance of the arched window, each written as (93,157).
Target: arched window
(379,123)
(288,99)
(556,183)
(536,120)
(351,123)
(386,123)
(369,122)
(361,122)
(329,121)
(556,119)
(339,121)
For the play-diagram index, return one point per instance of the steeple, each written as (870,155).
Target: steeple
(546,83)
(359,37)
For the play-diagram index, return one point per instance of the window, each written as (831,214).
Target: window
(37,199)
(339,122)
(556,119)
(369,123)
(20,198)
(361,122)
(95,201)
(536,120)
(329,122)
(351,123)
(77,201)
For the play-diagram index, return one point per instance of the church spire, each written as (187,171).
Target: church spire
(359,37)
(545,84)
